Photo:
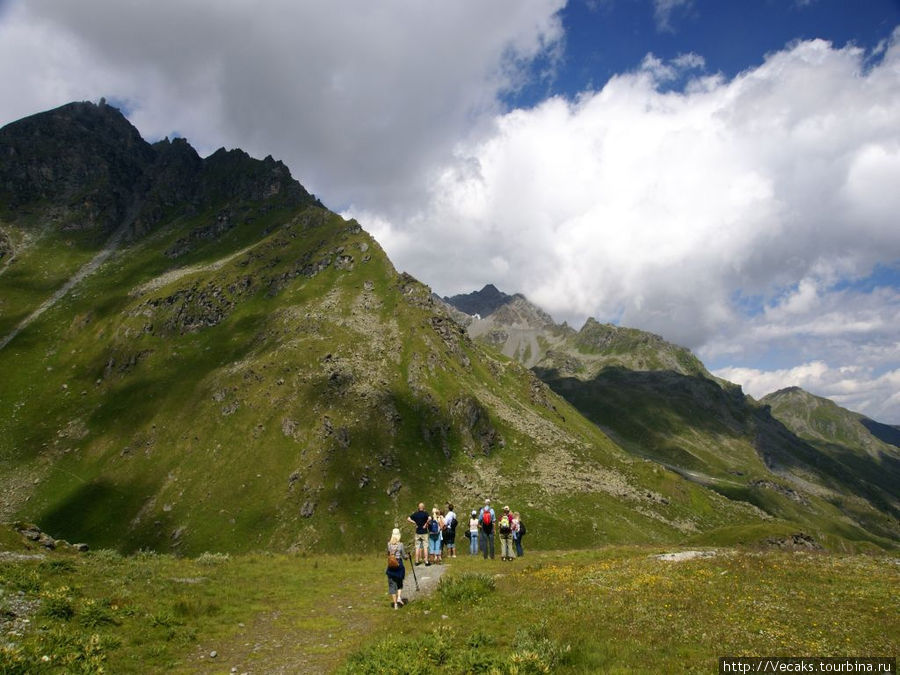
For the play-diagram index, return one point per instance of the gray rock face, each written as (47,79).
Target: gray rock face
(92,160)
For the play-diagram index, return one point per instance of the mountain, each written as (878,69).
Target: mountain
(658,401)
(853,444)
(198,355)
(485,301)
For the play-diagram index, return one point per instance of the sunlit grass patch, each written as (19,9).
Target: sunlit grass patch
(466,588)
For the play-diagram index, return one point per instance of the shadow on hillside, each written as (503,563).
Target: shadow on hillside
(650,408)
(838,467)
(883,432)
(654,411)
(98,513)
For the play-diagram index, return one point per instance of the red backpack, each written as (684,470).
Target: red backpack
(486,517)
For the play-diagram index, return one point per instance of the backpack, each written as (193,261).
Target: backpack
(521,529)
(433,526)
(504,524)
(486,518)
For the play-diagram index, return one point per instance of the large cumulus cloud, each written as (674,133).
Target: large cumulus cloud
(358,98)
(730,216)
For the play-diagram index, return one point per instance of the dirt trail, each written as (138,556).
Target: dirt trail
(273,644)
(428,579)
(175,275)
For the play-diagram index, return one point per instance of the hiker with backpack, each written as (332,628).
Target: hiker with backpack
(486,518)
(435,525)
(518,533)
(472,534)
(450,523)
(421,520)
(395,571)
(506,535)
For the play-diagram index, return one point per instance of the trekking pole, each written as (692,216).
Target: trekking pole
(412,566)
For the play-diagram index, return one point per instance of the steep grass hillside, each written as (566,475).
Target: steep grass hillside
(229,366)
(658,401)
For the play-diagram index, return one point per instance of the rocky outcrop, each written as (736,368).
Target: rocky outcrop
(33,533)
(92,164)
(6,247)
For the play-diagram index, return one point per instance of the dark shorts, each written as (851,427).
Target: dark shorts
(394,584)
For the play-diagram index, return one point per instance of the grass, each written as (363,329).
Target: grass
(616,609)
(622,610)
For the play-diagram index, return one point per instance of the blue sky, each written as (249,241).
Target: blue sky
(608,37)
(720,173)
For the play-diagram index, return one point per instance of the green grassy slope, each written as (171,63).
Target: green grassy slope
(282,386)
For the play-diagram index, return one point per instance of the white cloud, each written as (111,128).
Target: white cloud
(358,98)
(851,387)
(663,10)
(656,208)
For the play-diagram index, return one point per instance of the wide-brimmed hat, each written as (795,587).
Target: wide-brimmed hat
(506,508)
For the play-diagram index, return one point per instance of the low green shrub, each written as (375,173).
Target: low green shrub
(106,555)
(58,604)
(466,588)
(535,652)
(58,565)
(94,614)
(22,579)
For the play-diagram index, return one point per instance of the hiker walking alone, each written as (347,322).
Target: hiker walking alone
(450,523)
(420,519)
(395,571)
(486,522)
(506,535)
(473,533)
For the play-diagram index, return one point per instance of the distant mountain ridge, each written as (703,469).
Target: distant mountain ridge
(659,401)
(524,331)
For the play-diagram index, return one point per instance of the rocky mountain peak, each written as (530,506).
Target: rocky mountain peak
(81,154)
(483,302)
(91,163)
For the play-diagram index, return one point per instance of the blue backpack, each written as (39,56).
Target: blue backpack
(433,526)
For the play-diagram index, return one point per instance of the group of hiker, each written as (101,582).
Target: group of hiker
(435,537)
